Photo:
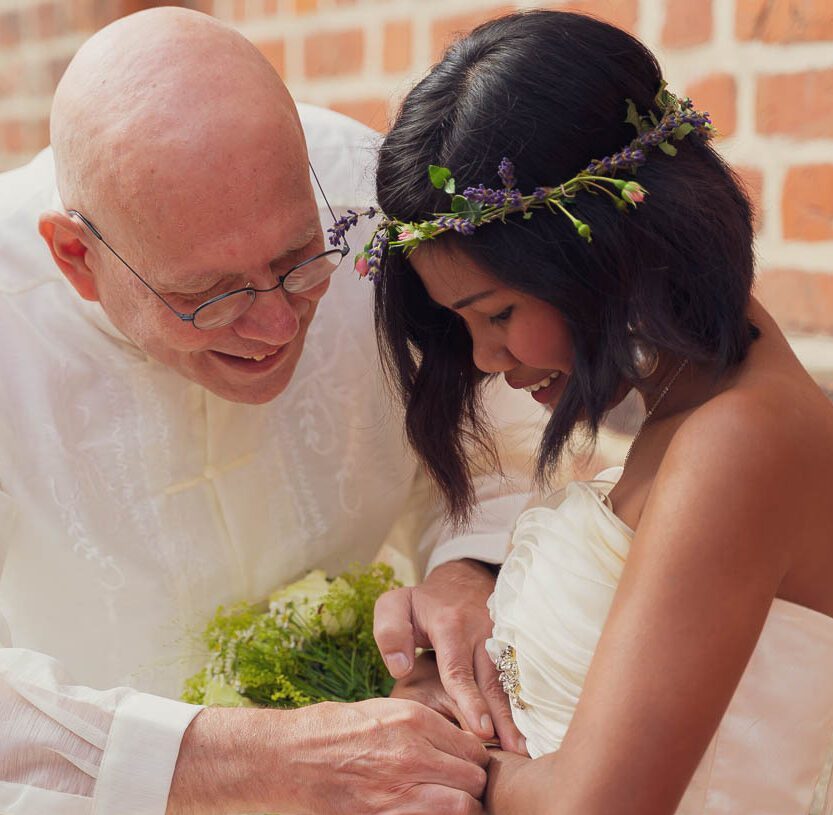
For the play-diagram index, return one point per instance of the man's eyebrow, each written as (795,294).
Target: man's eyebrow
(472,298)
(207,280)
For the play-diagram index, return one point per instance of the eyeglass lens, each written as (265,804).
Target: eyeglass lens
(303,278)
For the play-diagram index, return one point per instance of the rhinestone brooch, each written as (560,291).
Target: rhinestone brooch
(507,664)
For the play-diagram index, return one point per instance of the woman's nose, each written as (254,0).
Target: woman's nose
(492,357)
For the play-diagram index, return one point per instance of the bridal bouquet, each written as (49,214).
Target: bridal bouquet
(312,643)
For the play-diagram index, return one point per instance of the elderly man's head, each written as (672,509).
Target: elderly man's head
(177,140)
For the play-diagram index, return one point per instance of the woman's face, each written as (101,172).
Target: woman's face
(513,333)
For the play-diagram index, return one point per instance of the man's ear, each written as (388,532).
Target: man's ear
(65,239)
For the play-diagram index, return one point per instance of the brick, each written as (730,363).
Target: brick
(784,21)
(36,135)
(396,51)
(687,23)
(717,94)
(205,6)
(752,180)
(621,13)
(44,20)
(12,136)
(13,75)
(238,11)
(807,203)
(9,29)
(275,52)
(799,104)
(270,8)
(372,112)
(305,6)
(81,15)
(798,300)
(106,11)
(334,53)
(447,29)
(55,71)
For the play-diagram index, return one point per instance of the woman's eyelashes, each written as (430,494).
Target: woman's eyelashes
(502,317)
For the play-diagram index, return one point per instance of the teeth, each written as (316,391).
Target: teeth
(259,357)
(543,383)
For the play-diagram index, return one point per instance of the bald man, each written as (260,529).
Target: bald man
(193,415)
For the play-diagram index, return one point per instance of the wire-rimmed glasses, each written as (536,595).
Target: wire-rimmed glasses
(225,308)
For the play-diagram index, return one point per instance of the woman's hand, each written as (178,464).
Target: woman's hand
(423,685)
(505,770)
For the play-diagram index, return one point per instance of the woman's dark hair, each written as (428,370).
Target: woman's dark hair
(548,90)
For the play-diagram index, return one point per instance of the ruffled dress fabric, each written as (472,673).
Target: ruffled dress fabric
(772,752)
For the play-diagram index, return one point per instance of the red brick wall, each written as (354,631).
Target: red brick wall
(763,68)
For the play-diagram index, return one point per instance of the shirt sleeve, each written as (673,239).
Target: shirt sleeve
(501,497)
(71,750)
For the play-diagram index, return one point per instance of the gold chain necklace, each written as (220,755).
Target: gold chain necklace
(656,404)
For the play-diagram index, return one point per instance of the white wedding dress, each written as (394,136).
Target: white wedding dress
(771,754)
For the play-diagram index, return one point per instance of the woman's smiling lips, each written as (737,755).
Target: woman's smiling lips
(532,387)
(542,390)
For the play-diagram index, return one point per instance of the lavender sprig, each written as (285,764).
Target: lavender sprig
(340,227)
(455,223)
(373,256)
(506,172)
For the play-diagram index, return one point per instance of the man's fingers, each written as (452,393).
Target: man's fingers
(433,697)
(440,799)
(450,739)
(393,630)
(487,678)
(455,665)
(455,773)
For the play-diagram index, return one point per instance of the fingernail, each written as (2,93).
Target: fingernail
(397,663)
(486,724)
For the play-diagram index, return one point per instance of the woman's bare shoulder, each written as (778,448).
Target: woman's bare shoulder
(757,458)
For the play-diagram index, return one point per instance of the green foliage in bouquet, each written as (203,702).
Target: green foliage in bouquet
(313,643)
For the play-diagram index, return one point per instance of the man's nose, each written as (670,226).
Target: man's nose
(273,318)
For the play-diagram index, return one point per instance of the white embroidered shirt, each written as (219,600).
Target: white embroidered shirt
(133,502)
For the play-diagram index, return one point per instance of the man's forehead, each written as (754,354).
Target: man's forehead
(203,260)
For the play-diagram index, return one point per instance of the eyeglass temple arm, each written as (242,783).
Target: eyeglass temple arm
(345,248)
(91,226)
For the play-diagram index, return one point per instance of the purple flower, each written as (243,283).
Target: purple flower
(376,253)
(346,222)
(506,171)
(461,225)
(484,195)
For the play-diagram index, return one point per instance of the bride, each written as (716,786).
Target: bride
(665,632)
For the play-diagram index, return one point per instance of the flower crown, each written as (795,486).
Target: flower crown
(481,205)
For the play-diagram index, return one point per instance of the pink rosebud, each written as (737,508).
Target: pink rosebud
(634,193)
(405,235)
(361,265)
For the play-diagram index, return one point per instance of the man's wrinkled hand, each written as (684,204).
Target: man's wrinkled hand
(377,757)
(448,613)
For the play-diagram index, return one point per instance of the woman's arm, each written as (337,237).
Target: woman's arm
(716,537)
